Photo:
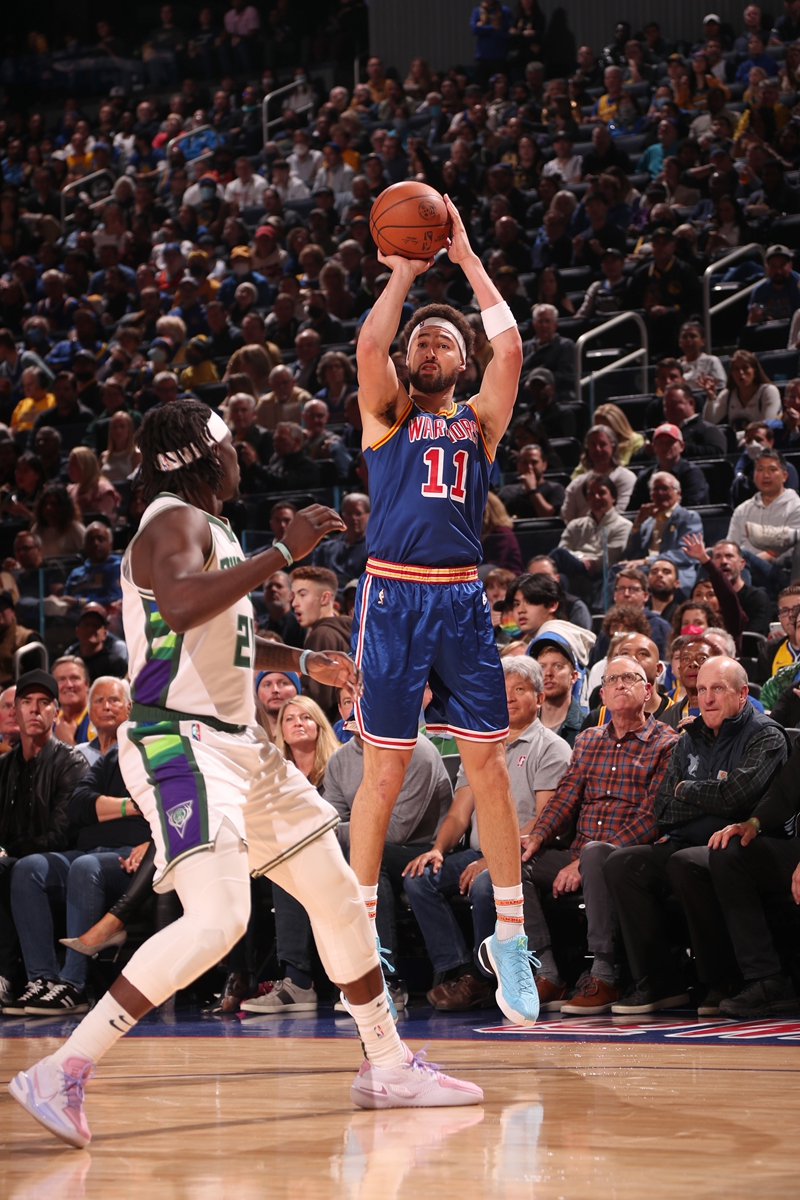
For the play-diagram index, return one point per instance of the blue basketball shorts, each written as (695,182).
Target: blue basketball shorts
(408,632)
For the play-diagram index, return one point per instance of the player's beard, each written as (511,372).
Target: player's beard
(432,382)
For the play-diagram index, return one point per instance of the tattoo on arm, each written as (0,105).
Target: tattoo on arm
(274,656)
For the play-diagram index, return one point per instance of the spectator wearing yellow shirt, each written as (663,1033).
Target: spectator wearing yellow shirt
(200,369)
(606,106)
(36,399)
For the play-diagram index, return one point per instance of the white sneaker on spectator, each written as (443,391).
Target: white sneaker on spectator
(771,537)
(285,997)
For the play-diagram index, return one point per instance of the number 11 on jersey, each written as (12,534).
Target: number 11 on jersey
(434,486)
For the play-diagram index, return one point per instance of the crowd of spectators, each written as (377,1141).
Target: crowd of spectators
(642,560)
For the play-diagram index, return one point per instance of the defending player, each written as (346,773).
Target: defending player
(215,790)
(421,614)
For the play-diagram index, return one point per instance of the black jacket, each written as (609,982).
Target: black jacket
(55,771)
(104,779)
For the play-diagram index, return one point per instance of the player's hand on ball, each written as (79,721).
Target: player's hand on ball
(335,669)
(412,266)
(459,248)
(310,526)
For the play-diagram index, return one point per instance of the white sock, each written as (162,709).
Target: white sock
(508,903)
(97,1032)
(369,894)
(382,1044)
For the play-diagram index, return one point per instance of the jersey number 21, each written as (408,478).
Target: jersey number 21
(434,486)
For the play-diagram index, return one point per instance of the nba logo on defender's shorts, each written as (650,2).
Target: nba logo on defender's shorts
(196,731)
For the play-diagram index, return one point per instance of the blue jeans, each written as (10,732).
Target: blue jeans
(429,897)
(87,882)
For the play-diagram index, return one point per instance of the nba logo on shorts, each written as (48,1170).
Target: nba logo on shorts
(195,731)
(381,595)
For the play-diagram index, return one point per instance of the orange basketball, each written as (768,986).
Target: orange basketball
(410,219)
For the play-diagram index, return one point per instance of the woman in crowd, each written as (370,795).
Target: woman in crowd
(600,454)
(628,440)
(550,290)
(336,372)
(121,458)
(56,521)
(748,395)
(91,491)
(727,228)
(500,546)
(306,738)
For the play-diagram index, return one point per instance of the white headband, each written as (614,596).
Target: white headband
(173,460)
(447,326)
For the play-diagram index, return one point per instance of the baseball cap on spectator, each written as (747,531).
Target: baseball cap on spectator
(93,609)
(560,136)
(663,231)
(506,272)
(159,346)
(6,600)
(323,189)
(240,252)
(614,251)
(667,430)
(552,641)
(200,345)
(197,256)
(541,375)
(775,251)
(172,248)
(87,354)
(502,168)
(266,231)
(37,679)
(711,17)
(207,178)
(718,149)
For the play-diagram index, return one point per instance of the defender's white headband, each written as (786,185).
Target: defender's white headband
(447,326)
(173,460)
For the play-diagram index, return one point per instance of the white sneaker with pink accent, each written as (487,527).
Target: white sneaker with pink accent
(53,1095)
(414,1084)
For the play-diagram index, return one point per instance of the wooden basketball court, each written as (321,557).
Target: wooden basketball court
(256,1111)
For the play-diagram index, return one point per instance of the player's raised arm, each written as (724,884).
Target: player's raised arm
(377,378)
(495,401)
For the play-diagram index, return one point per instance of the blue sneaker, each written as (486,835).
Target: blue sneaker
(343,1006)
(511,962)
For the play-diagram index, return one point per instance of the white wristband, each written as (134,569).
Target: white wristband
(497,319)
(301,666)
(284,550)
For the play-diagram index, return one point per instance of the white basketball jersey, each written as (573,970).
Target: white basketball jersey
(205,672)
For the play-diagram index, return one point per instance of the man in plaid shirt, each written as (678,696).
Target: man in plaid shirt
(604,801)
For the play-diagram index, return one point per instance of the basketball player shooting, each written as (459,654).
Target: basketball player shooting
(221,801)
(421,613)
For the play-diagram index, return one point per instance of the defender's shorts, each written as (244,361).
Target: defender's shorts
(187,777)
(418,625)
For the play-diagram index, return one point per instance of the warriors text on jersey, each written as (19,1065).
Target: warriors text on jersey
(429,479)
(204,672)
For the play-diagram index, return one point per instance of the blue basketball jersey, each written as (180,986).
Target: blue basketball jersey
(429,479)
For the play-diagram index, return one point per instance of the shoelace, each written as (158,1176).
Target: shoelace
(419,1062)
(524,962)
(74,1085)
(383,958)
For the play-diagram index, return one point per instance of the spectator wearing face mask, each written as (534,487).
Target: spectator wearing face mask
(242,272)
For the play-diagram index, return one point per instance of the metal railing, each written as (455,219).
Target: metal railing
(734,256)
(592,335)
(289,87)
(78,184)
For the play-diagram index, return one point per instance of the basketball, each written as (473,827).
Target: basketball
(410,219)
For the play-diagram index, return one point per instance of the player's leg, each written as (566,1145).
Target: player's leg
(470,699)
(391,1077)
(214,888)
(384,772)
